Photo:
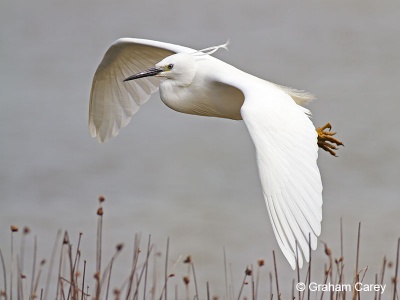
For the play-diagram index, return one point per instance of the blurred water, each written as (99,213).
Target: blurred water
(190,178)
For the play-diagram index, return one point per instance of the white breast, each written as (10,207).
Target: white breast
(213,99)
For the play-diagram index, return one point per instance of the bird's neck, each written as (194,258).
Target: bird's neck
(173,94)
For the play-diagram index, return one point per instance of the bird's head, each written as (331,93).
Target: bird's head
(180,67)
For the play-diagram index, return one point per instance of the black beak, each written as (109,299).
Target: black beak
(150,72)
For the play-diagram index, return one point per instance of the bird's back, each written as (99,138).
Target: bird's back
(208,96)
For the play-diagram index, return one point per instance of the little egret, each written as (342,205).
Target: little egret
(194,82)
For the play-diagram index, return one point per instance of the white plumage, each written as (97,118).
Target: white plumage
(196,83)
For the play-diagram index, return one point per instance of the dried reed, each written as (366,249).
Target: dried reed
(71,277)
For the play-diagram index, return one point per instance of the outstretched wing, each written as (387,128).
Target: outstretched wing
(287,151)
(286,146)
(112,101)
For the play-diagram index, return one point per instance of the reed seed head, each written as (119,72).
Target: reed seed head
(260,262)
(14,228)
(186,279)
(65,240)
(117,294)
(327,271)
(188,260)
(328,251)
(248,271)
(96,276)
(100,211)
(102,199)
(26,230)
(119,247)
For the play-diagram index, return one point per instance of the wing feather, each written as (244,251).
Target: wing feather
(112,101)
(286,147)
(285,141)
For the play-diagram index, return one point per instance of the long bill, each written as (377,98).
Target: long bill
(150,72)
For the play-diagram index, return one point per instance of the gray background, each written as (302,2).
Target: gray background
(192,178)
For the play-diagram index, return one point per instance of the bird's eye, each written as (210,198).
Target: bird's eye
(170,66)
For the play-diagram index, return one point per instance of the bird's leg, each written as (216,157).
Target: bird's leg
(326,140)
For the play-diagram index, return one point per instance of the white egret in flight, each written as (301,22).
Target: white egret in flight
(194,82)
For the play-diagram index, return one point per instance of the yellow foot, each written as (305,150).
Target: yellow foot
(326,140)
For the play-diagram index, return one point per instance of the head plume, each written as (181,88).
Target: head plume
(211,50)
